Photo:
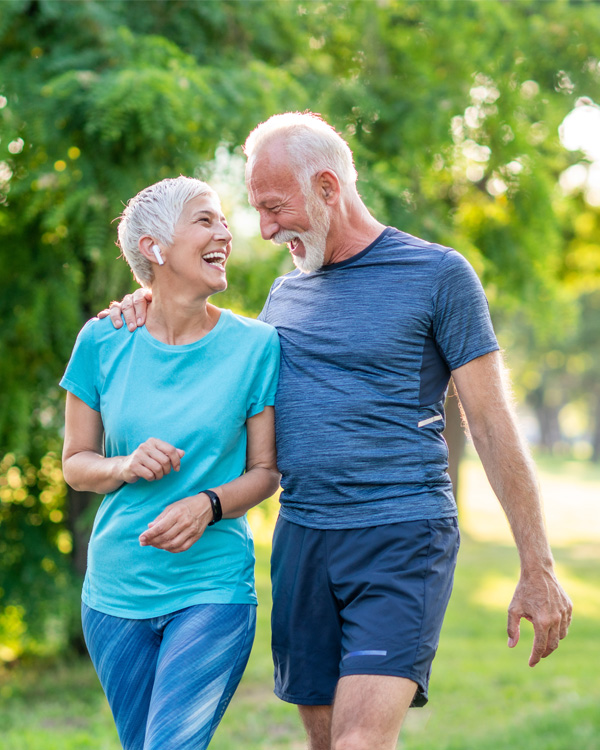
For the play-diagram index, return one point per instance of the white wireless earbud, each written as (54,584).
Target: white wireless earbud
(159,259)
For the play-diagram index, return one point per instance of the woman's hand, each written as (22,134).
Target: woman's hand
(179,525)
(150,461)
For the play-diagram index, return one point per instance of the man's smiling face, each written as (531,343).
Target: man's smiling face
(286,214)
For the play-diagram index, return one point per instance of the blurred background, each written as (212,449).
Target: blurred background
(473,124)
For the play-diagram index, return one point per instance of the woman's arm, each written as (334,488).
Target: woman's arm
(183,523)
(85,468)
(261,479)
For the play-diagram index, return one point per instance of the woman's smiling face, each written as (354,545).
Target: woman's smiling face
(201,244)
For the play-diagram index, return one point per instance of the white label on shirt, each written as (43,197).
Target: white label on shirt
(430,420)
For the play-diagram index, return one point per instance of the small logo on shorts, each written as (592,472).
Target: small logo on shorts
(364,653)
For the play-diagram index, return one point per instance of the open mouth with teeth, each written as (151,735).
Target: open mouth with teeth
(294,245)
(216,258)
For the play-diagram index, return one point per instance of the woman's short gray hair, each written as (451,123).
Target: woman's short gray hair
(154,212)
(311,143)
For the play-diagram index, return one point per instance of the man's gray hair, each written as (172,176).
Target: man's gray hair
(154,212)
(311,143)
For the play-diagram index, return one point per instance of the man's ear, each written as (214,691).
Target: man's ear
(328,186)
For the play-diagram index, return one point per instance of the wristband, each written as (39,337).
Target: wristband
(215,504)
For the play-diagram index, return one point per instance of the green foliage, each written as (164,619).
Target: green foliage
(36,576)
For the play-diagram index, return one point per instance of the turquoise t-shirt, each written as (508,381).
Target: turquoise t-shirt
(196,397)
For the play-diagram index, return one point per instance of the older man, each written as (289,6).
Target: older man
(372,325)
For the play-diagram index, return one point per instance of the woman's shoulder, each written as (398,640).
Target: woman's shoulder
(98,331)
(246,326)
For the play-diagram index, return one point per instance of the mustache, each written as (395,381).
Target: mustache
(284,236)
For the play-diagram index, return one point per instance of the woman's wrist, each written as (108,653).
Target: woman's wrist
(215,505)
(120,469)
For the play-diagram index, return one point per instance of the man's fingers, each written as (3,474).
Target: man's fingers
(140,305)
(553,641)
(128,311)
(115,314)
(513,628)
(540,643)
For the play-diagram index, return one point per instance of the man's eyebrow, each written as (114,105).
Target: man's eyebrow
(267,201)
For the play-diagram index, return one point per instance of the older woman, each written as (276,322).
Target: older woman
(174,424)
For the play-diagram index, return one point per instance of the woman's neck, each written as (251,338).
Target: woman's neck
(176,319)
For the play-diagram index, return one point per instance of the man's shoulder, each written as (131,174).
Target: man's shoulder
(292,275)
(407,242)
(440,260)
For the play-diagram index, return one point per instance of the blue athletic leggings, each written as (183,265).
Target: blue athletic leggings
(169,679)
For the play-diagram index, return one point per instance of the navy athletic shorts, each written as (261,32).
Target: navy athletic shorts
(358,601)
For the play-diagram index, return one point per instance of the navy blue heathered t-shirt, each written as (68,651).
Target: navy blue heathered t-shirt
(367,347)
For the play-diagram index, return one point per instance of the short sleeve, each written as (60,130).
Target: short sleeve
(266,376)
(462,326)
(81,375)
(264,312)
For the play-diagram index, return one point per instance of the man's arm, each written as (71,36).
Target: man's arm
(132,306)
(539,598)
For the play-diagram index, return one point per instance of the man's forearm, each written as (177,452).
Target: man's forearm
(511,473)
(485,395)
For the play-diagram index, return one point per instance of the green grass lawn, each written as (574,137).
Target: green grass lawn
(483,696)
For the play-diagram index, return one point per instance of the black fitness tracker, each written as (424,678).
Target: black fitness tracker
(215,502)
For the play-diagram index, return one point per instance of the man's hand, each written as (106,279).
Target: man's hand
(540,599)
(179,525)
(150,461)
(133,307)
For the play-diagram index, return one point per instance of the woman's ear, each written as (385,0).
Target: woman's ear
(150,250)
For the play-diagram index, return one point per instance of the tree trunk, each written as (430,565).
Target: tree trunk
(547,419)
(455,437)
(78,504)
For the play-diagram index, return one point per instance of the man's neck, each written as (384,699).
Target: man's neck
(351,231)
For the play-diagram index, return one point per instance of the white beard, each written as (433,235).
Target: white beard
(314,239)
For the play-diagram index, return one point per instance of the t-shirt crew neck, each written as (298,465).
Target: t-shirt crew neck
(358,256)
(203,341)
